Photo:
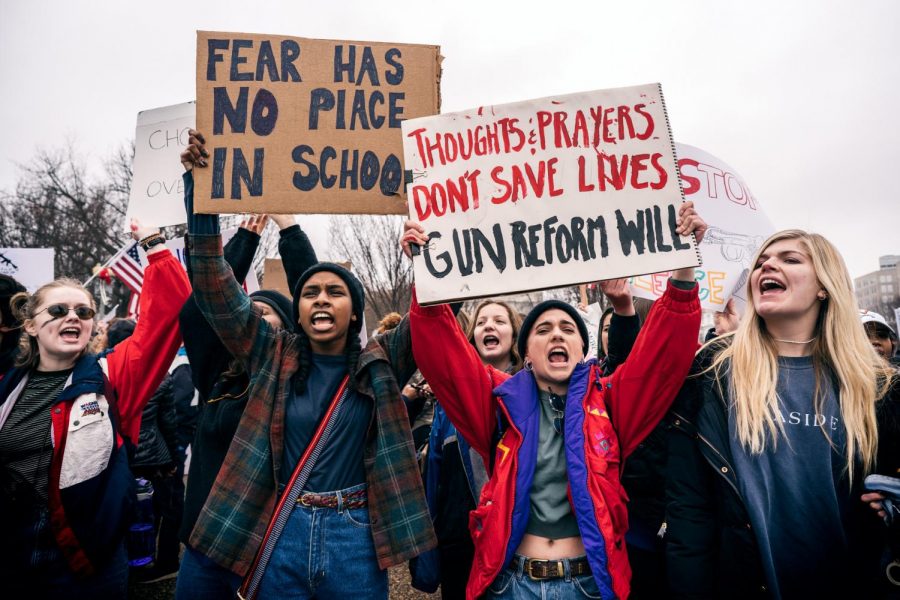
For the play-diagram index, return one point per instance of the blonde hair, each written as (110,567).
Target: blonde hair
(515,320)
(840,348)
(24,306)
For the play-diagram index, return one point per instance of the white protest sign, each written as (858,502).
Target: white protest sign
(32,267)
(737,227)
(591,318)
(544,193)
(157,190)
(176,246)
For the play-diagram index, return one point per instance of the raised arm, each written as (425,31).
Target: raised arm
(241,248)
(624,325)
(644,387)
(137,365)
(297,252)
(229,311)
(207,354)
(451,366)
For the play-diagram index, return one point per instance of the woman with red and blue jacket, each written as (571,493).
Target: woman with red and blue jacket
(552,518)
(65,415)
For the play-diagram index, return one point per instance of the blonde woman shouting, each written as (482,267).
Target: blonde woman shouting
(773,437)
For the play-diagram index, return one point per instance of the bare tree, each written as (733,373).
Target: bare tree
(55,205)
(370,244)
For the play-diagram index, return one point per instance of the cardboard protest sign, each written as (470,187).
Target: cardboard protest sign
(32,267)
(296,125)
(275,277)
(157,190)
(544,193)
(737,227)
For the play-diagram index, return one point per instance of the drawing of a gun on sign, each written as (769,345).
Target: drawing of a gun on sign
(735,247)
(7,266)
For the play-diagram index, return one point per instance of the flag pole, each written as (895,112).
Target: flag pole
(109,260)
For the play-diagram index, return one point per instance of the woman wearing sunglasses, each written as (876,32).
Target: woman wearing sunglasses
(530,539)
(65,485)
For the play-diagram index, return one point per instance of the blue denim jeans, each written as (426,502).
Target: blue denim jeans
(325,553)
(199,578)
(514,583)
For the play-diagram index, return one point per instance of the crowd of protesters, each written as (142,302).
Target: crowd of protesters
(487,449)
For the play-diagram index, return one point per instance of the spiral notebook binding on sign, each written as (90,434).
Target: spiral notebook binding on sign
(662,100)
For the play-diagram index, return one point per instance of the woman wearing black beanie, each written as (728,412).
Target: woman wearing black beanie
(552,518)
(323,450)
(222,384)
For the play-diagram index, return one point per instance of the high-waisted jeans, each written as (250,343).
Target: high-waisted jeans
(325,553)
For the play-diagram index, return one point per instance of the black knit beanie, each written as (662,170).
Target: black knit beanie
(279,303)
(540,309)
(119,331)
(357,293)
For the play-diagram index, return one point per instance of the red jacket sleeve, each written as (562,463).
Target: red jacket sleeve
(137,366)
(643,388)
(453,369)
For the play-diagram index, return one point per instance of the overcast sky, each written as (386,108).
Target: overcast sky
(796,96)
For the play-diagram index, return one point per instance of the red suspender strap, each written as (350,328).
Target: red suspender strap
(291,492)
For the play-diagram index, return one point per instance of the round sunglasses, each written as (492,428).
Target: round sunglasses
(58,311)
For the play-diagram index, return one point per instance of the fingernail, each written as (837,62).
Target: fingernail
(202,162)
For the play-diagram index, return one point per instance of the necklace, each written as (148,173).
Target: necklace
(812,339)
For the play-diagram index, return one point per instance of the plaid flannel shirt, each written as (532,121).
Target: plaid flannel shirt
(234,518)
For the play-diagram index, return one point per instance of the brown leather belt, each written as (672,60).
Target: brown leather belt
(356,499)
(551,569)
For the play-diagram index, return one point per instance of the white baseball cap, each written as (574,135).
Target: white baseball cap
(868,316)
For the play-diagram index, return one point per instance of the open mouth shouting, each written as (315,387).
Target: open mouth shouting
(558,356)
(490,341)
(321,321)
(769,286)
(70,334)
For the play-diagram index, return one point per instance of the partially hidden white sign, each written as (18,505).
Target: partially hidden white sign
(32,267)
(544,193)
(157,190)
(737,227)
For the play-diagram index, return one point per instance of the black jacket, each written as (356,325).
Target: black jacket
(223,397)
(711,549)
(157,445)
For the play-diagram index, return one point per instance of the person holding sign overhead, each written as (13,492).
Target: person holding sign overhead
(552,517)
(320,488)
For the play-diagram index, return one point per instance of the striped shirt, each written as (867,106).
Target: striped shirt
(25,444)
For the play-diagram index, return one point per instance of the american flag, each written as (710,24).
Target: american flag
(128,268)
(134,306)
